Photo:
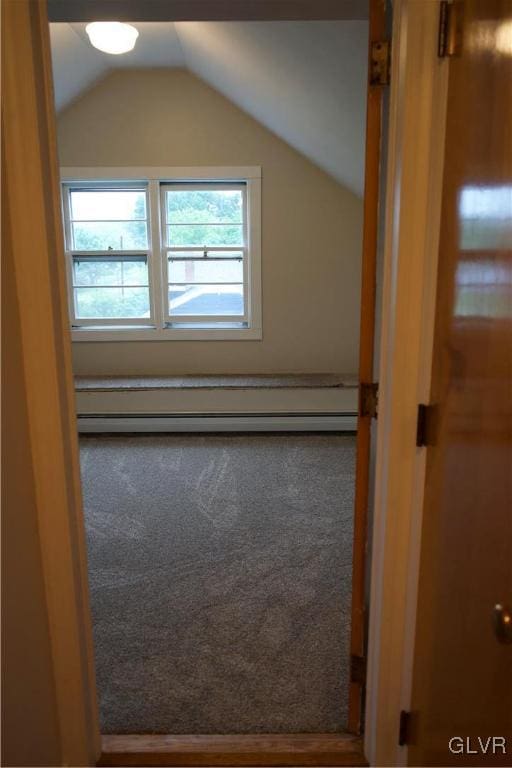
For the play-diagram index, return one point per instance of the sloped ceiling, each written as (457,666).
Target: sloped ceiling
(305,81)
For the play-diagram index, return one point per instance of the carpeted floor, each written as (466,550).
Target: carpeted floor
(220,580)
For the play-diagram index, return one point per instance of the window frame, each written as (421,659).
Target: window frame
(161,326)
(72,254)
(182,320)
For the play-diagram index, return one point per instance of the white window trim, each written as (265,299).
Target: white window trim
(154,176)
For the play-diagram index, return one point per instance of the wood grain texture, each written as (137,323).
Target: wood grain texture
(366,357)
(462,681)
(257,750)
(31,189)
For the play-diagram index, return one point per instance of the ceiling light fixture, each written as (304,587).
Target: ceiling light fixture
(112,36)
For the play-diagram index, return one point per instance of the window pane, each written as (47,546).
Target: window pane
(204,206)
(102,205)
(206,300)
(109,272)
(109,303)
(208,234)
(103,236)
(205,271)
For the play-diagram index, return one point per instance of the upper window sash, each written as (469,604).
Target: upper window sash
(108,224)
(221,226)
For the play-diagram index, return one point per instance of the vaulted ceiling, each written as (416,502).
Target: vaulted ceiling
(305,81)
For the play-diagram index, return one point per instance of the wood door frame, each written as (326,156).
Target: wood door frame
(418,104)
(367,326)
(414,177)
(30,184)
(314,749)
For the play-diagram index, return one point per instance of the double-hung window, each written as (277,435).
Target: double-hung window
(206,253)
(108,245)
(155,257)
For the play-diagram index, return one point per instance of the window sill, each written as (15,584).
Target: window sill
(183,333)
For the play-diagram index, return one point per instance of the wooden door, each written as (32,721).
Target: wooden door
(365,436)
(462,680)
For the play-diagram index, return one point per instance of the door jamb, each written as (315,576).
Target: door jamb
(30,146)
(368,297)
(414,166)
(413,208)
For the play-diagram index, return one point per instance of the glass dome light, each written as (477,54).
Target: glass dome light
(112,36)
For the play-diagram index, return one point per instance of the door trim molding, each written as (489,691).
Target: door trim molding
(368,295)
(413,205)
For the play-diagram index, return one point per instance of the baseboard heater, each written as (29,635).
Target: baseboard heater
(217,422)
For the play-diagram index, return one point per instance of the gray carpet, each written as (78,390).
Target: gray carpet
(220,580)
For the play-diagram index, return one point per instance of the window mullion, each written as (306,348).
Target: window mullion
(156,255)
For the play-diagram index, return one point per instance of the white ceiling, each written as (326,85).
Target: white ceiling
(305,81)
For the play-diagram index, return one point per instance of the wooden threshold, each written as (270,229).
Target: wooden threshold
(252,750)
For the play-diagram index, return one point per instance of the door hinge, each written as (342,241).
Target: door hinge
(404,728)
(368,399)
(380,62)
(358,669)
(425,425)
(449,41)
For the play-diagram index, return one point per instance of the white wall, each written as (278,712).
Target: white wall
(311,225)
(303,80)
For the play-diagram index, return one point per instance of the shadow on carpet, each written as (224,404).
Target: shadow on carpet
(220,570)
